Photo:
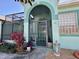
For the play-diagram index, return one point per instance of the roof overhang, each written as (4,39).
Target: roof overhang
(70,4)
(2,18)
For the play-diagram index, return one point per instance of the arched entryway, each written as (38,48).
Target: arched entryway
(40,25)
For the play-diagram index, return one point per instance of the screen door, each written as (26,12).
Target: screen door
(39,32)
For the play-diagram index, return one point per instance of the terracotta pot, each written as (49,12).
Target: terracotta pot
(19,49)
(76,54)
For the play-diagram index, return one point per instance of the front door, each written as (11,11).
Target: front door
(42,33)
(39,32)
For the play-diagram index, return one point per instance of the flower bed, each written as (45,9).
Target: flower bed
(7,48)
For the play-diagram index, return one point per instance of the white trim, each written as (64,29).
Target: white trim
(2,17)
(67,2)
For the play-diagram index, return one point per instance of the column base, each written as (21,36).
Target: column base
(57,54)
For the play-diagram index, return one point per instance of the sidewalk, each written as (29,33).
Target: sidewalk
(40,53)
(65,54)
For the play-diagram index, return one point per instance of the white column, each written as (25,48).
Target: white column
(26,24)
(55,30)
(26,35)
(56,42)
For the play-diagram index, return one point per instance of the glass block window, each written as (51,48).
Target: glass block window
(68,23)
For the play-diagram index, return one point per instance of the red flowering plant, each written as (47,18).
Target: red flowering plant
(18,38)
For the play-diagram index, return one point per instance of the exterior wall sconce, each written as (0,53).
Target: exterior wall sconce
(31,16)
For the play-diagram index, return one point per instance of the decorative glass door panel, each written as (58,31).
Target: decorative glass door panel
(42,33)
(38,32)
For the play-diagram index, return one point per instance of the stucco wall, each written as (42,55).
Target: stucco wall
(69,42)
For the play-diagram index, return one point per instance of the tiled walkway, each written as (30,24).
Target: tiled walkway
(65,54)
(40,53)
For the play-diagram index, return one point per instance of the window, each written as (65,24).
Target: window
(68,23)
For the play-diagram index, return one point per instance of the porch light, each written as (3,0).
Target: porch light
(31,16)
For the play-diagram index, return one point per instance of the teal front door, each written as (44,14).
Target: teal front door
(38,32)
(42,33)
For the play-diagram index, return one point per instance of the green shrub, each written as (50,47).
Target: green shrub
(8,48)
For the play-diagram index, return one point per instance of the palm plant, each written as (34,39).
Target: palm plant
(25,1)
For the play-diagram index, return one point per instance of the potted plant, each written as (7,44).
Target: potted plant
(18,38)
